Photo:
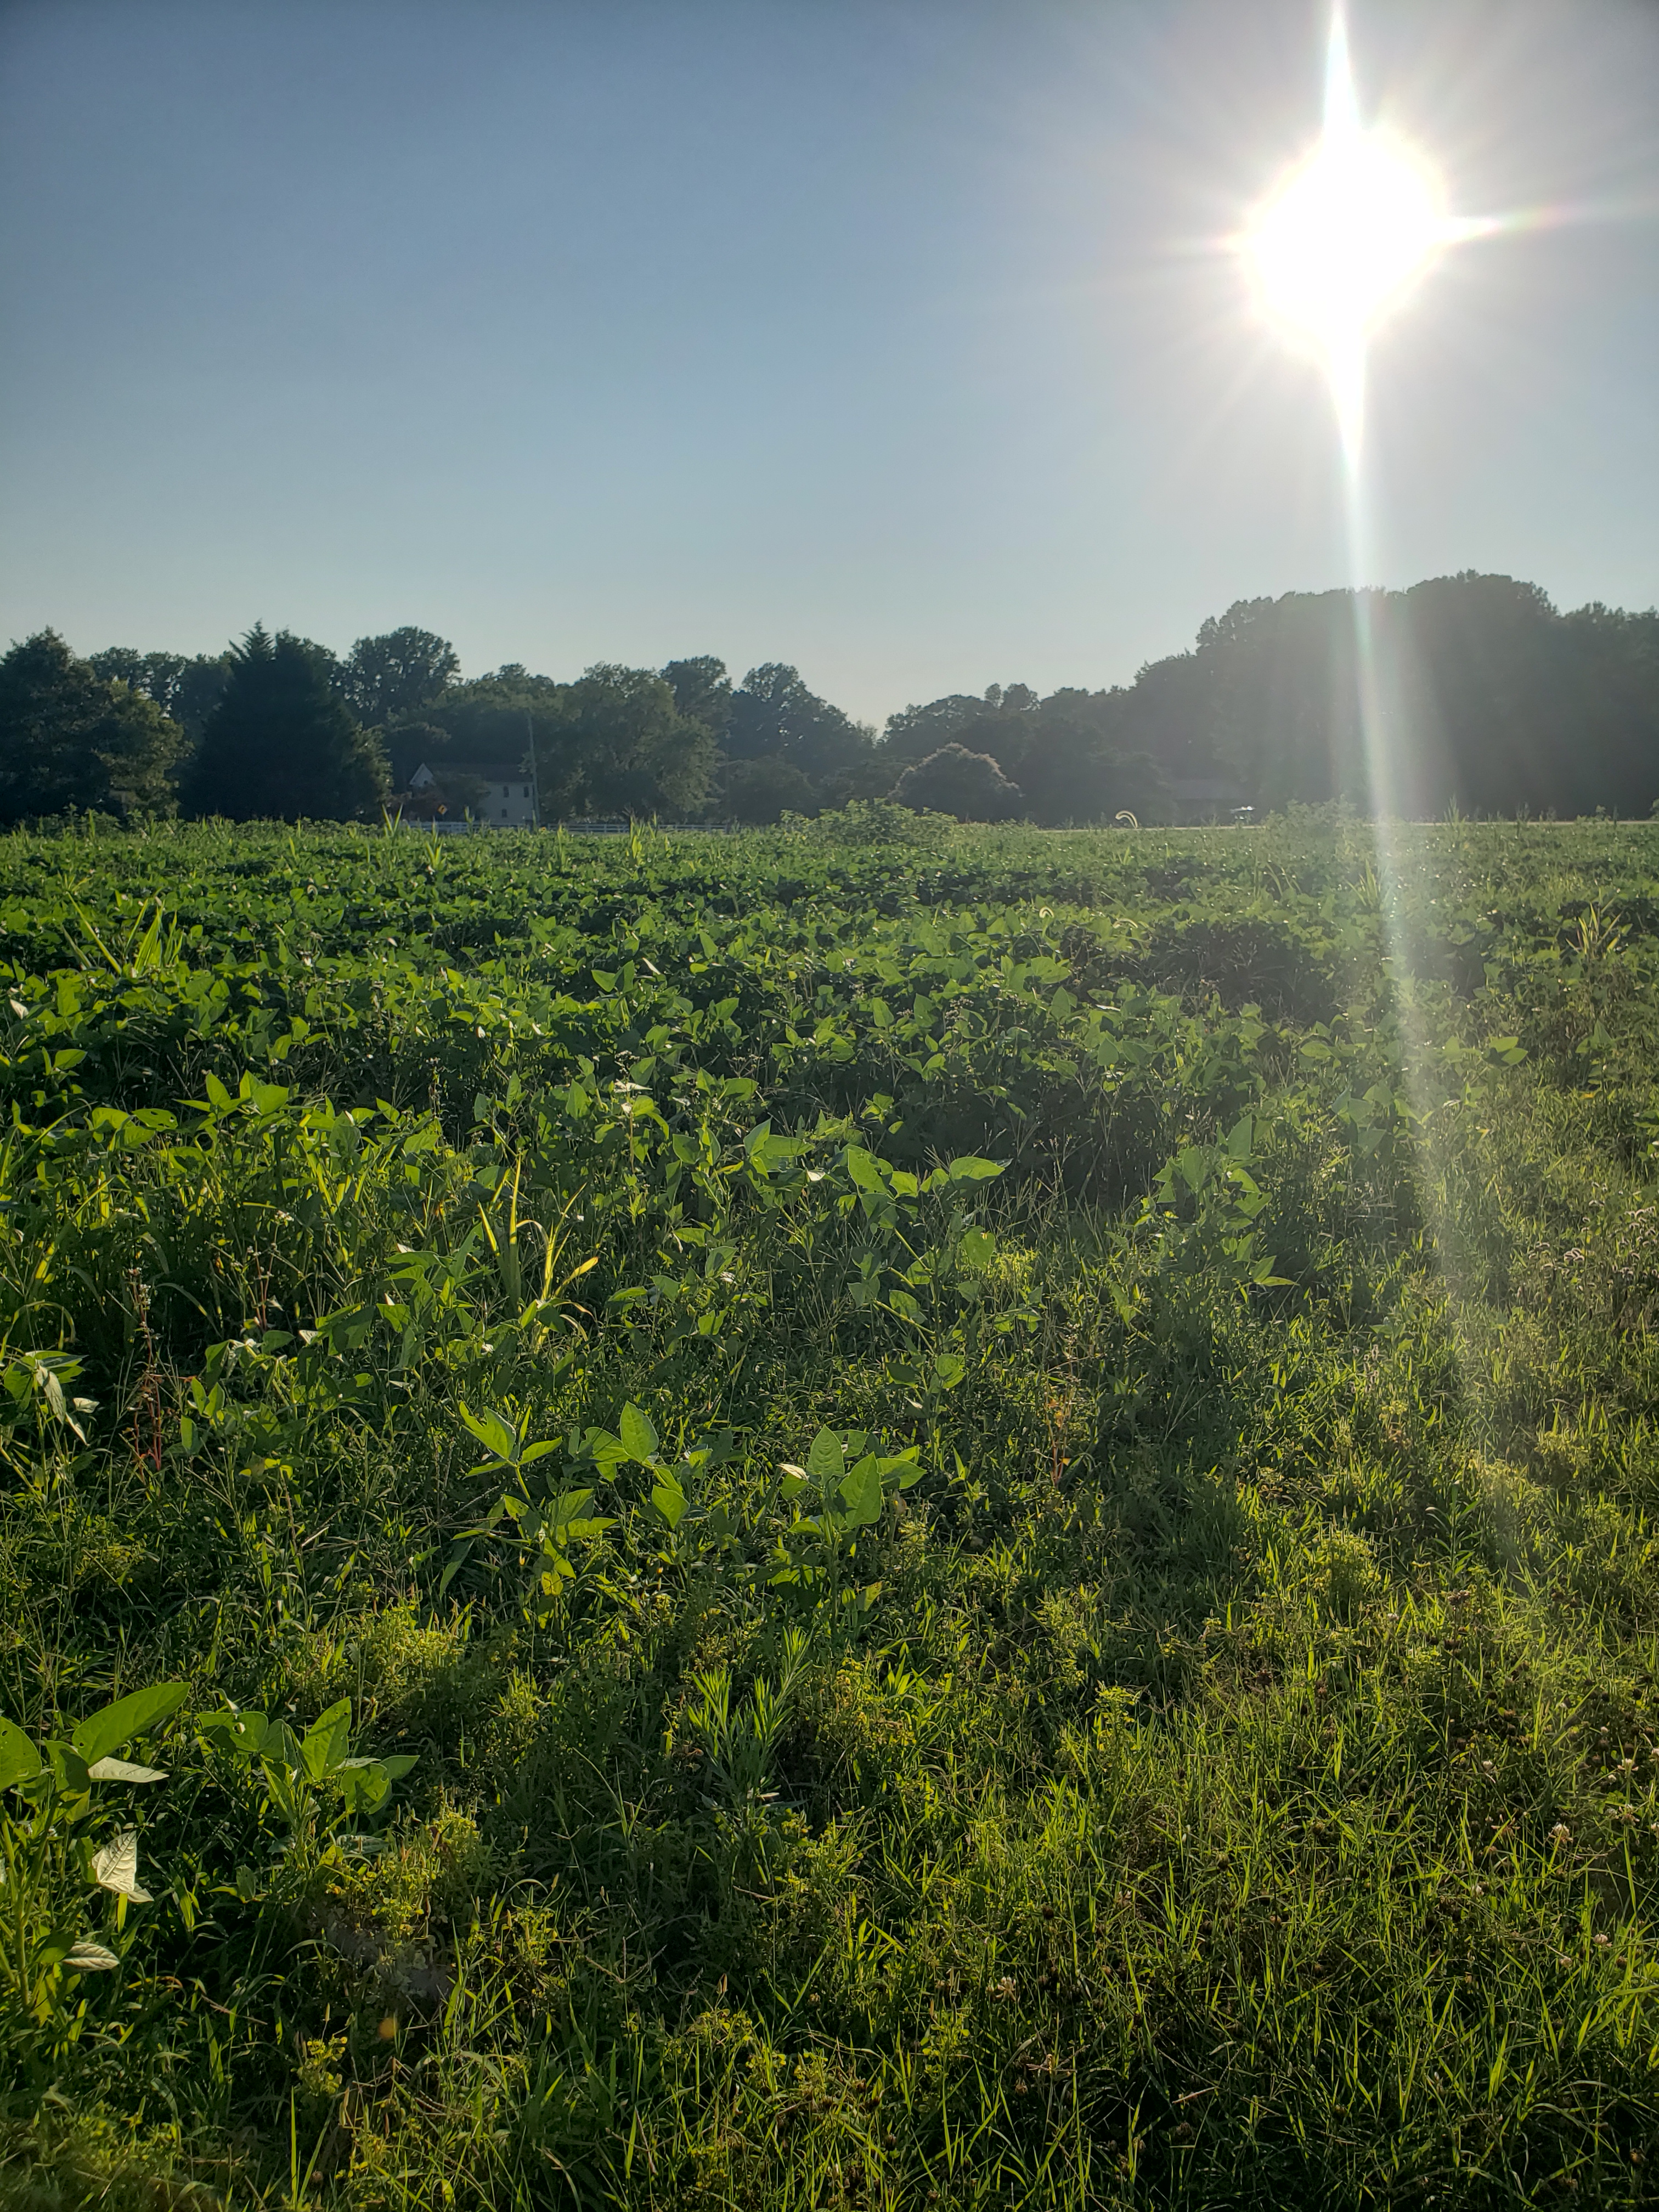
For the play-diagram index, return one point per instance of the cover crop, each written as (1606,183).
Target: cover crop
(951,1519)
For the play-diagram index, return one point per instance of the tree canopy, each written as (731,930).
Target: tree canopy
(186,686)
(281,743)
(775,715)
(397,673)
(703,691)
(953,781)
(616,744)
(1485,694)
(73,740)
(1481,693)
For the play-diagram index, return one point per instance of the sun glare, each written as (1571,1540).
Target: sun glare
(1342,241)
(1343,237)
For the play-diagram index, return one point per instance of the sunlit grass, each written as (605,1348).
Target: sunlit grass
(1229,1772)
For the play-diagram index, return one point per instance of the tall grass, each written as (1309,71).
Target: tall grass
(985,1507)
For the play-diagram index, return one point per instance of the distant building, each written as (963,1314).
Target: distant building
(497,794)
(1203,798)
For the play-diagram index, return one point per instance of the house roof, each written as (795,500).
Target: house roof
(482,771)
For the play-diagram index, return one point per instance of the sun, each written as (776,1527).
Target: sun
(1343,238)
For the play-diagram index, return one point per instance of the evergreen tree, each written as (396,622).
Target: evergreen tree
(71,740)
(281,743)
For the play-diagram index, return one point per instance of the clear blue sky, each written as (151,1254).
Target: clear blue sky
(888,339)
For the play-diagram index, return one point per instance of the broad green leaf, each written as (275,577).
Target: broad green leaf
(971,1168)
(569,1506)
(400,1763)
(1240,1138)
(88,1958)
(862,1166)
(639,1438)
(364,1782)
(69,1769)
(106,1731)
(243,1733)
(323,1746)
(18,1757)
(55,1945)
(500,1435)
(218,1097)
(671,1501)
(949,1368)
(824,1462)
(977,1250)
(281,1748)
(581,1531)
(123,1769)
(774,1152)
(116,1867)
(607,1452)
(861,1493)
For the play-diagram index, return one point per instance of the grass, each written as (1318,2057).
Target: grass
(984,1502)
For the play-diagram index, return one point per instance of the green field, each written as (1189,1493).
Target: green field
(981,1503)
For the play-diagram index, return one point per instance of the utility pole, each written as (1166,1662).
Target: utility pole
(535,785)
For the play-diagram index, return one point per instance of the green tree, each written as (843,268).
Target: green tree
(774,713)
(396,674)
(186,686)
(614,743)
(1063,752)
(1487,696)
(72,740)
(953,781)
(702,689)
(764,791)
(281,743)
(996,724)
(490,719)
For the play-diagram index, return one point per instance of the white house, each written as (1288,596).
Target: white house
(509,793)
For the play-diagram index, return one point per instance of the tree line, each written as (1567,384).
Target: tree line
(1469,690)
